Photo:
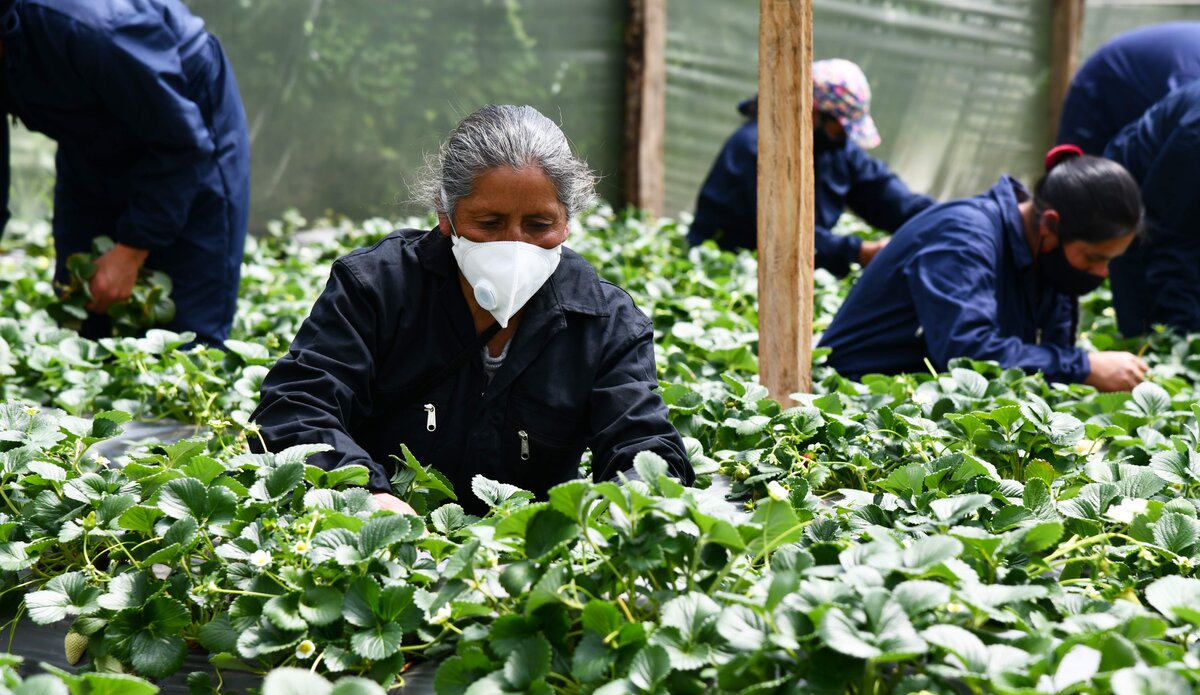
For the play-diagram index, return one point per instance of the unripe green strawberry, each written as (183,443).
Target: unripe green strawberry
(75,646)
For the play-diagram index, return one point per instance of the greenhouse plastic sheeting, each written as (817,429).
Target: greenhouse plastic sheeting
(1104,19)
(345,97)
(959,85)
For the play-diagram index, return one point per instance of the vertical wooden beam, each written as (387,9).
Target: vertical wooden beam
(642,162)
(1066,33)
(785,197)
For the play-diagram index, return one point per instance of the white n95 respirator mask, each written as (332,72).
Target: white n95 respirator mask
(504,274)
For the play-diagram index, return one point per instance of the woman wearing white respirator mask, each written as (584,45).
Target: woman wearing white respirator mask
(483,345)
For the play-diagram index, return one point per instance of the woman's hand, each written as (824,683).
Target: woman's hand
(393,504)
(1116,371)
(116,274)
(869,250)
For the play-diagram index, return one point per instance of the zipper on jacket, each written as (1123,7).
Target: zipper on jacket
(430,417)
(524,444)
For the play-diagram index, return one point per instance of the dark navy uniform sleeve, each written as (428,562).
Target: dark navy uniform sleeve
(1062,328)
(835,252)
(726,205)
(324,382)
(1124,78)
(140,79)
(953,285)
(627,414)
(876,195)
(5,176)
(879,196)
(1162,151)
(1084,122)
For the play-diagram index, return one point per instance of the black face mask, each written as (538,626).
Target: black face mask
(821,140)
(1056,271)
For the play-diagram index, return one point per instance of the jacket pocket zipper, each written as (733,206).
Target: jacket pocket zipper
(430,417)
(524,444)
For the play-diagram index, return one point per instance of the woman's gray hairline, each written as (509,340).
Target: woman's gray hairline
(441,203)
(430,186)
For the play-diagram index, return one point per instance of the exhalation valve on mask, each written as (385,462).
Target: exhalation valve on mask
(485,294)
(503,275)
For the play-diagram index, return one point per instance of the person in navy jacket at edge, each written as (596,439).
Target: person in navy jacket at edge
(997,277)
(1123,78)
(846,176)
(153,149)
(1158,280)
(571,366)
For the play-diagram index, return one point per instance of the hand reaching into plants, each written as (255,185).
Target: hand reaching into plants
(870,249)
(393,504)
(1116,371)
(116,274)
(112,279)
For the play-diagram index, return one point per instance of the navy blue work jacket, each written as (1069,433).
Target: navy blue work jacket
(957,281)
(579,373)
(847,177)
(1158,280)
(1123,78)
(153,149)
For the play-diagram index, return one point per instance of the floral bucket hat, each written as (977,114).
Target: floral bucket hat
(840,89)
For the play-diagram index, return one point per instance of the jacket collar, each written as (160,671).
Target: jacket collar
(10,22)
(1008,193)
(574,286)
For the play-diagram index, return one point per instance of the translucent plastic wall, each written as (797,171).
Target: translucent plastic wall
(712,64)
(345,97)
(31,160)
(959,85)
(1107,18)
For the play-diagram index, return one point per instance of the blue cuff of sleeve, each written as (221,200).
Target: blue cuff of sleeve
(1085,367)
(1073,368)
(853,246)
(130,235)
(835,253)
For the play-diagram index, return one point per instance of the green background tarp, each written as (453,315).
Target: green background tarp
(958,85)
(1107,18)
(346,97)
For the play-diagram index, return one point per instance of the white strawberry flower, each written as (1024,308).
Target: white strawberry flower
(260,558)
(305,649)
(441,616)
(1125,511)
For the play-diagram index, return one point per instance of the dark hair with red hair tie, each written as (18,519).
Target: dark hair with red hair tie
(1060,154)
(1096,199)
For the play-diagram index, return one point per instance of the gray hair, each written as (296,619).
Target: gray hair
(512,136)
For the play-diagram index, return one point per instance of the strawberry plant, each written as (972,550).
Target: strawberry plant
(979,530)
(148,306)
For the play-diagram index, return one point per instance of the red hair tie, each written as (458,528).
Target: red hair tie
(1060,154)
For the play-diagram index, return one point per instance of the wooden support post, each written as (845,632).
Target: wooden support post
(645,105)
(785,197)
(1066,32)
